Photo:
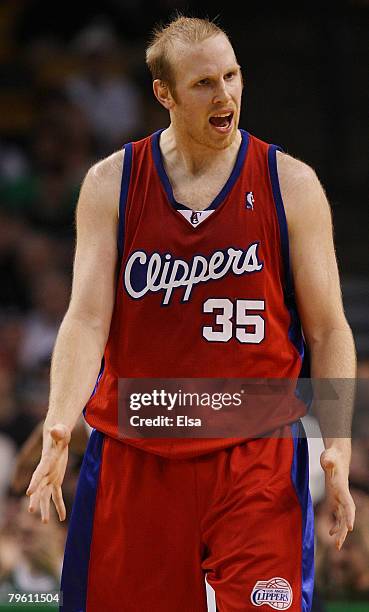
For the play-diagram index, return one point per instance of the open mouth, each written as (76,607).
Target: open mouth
(222,121)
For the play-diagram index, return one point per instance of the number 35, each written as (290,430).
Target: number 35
(243,320)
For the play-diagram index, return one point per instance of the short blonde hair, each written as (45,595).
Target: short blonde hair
(185,30)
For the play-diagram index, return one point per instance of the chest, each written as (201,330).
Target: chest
(198,192)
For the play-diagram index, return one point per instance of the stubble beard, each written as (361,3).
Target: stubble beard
(216,143)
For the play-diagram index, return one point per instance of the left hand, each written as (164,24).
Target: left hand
(48,476)
(340,502)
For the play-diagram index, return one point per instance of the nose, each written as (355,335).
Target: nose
(221,94)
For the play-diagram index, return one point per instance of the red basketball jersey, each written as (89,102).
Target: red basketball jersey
(199,295)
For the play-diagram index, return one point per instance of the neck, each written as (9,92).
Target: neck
(194,157)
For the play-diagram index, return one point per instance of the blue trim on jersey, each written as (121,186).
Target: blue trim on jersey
(300,480)
(77,551)
(303,391)
(282,221)
(102,368)
(126,176)
(158,160)
(294,332)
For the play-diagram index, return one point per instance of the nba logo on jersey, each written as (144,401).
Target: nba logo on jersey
(250,200)
(276,593)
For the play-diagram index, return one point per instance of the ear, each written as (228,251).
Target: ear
(162,94)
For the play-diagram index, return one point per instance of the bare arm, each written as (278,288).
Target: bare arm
(319,301)
(84,331)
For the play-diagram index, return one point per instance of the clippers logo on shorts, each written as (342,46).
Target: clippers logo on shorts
(161,272)
(276,593)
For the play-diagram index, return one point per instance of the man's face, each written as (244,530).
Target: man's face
(208,84)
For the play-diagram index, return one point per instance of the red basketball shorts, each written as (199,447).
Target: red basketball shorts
(145,530)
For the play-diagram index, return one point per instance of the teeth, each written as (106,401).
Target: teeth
(224,115)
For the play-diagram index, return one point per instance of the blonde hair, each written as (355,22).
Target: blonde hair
(185,30)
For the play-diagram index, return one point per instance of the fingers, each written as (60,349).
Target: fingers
(60,436)
(346,511)
(45,503)
(42,485)
(35,497)
(349,511)
(341,537)
(344,521)
(59,502)
(333,530)
(38,475)
(41,499)
(48,476)
(339,529)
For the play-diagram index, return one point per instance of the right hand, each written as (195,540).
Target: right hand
(49,474)
(339,500)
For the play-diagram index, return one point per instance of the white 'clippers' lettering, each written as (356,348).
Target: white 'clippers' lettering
(161,272)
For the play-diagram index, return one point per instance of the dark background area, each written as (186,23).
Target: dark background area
(305,71)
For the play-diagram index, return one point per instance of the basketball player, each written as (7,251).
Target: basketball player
(151,516)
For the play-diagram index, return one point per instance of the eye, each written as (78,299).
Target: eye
(203,82)
(229,76)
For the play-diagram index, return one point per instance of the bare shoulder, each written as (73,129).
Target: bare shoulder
(302,193)
(101,185)
(109,168)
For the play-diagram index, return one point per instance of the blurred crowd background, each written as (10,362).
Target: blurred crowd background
(74,88)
